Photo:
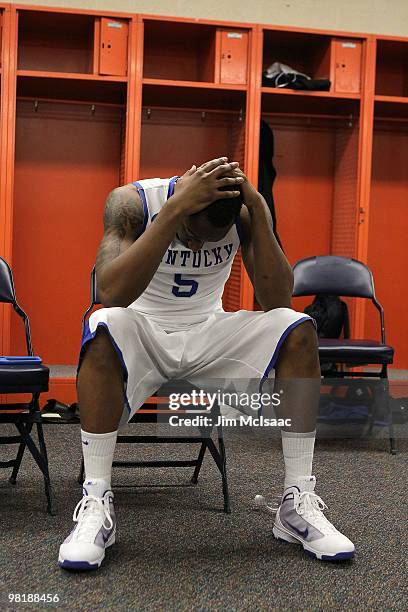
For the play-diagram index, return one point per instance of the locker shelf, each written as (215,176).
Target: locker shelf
(90,88)
(193,95)
(391,107)
(71,75)
(195,84)
(312,102)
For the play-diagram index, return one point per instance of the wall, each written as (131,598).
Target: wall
(372,16)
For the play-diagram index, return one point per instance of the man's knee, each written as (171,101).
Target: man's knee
(100,351)
(302,339)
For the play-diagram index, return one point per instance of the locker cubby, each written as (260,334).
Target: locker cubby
(179,51)
(387,239)
(67,160)
(315,191)
(391,68)
(55,42)
(307,53)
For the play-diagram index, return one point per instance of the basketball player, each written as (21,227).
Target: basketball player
(162,264)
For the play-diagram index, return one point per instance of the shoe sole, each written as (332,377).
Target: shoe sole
(67,564)
(284,536)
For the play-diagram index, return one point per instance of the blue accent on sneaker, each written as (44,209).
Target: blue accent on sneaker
(342,556)
(78,565)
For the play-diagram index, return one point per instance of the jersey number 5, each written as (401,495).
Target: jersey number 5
(190,285)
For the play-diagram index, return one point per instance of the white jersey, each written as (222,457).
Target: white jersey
(187,286)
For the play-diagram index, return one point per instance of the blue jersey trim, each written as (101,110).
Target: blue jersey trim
(144,202)
(87,336)
(172,182)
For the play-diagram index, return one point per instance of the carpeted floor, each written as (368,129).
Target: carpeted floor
(176,550)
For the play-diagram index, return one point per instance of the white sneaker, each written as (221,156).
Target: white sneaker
(300,519)
(84,548)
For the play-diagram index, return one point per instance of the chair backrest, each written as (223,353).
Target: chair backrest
(94,289)
(8,296)
(7,292)
(333,275)
(94,299)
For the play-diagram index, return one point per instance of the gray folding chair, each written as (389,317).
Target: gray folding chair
(342,276)
(23,374)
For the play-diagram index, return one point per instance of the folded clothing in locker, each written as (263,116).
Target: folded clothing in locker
(283,76)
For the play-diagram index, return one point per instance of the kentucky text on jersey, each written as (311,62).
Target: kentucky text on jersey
(187,286)
(202,258)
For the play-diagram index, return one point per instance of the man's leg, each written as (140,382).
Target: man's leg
(100,394)
(298,380)
(300,518)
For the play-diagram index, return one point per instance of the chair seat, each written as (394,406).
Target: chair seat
(23,378)
(354,351)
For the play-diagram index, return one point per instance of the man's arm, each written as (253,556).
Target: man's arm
(266,264)
(128,259)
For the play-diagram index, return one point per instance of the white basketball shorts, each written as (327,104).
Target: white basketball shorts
(229,345)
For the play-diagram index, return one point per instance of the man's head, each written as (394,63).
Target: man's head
(211,224)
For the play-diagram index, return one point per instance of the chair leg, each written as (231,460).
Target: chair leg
(19,458)
(39,458)
(386,394)
(225,491)
(393,447)
(47,480)
(194,478)
(81,474)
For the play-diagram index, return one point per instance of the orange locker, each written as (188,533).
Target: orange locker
(346,66)
(113,49)
(232,57)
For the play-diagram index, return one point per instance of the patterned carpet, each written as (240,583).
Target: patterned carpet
(176,550)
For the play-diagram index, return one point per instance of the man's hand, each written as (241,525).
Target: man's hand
(252,198)
(199,187)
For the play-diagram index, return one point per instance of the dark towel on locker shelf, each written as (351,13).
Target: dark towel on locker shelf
(267,172)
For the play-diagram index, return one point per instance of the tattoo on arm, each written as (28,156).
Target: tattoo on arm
(123,222)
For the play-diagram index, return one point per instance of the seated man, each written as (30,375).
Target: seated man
(165,256)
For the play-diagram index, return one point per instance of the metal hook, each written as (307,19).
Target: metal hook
(93,109)
(203,116)
(241,114)
(149,113)
(35,105)
(350,123)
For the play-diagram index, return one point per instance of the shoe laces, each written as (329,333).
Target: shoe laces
(88,514)
(310,506)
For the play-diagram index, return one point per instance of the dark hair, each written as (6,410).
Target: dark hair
(224,211)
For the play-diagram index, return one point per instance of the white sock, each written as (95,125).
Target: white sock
(98,450)
(298,455)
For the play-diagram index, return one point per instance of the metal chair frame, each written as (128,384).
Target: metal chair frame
(25,414)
